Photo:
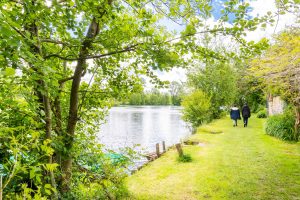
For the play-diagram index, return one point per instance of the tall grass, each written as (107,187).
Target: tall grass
(282,126)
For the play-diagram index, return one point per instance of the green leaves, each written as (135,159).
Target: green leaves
(10,71)
(196,108)
(218,80)
(275,69)
(50,167)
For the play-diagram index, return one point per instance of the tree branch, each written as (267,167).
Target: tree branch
(22,35)
(128,48)
(61,81)
(48,40)
(53,41)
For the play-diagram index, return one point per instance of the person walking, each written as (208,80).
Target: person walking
(235,114)
(246,114)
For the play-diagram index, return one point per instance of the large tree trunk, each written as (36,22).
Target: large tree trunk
(93,31)
(73,110)
(43,98)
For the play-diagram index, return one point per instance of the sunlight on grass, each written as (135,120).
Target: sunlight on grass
(241,163)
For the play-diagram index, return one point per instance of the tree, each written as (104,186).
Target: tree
(196,107)
(249,90)
(218,80)
(136,99)
(176,90)
(53,45)
(278,70)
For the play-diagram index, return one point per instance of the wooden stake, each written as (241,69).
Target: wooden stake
(179,149)
(157,149)
(164,146)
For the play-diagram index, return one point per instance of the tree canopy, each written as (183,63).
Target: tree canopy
(278,70)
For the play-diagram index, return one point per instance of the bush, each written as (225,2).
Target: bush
(258,107)
(100,177)
(281,126)
(185,158)
(196,107)
(262,114)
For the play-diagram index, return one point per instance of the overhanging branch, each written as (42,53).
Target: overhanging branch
(65,79)
(128,48)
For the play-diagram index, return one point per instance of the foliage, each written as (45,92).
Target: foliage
(282,126)
(196,108)
(177,92)
(217,80)
(153,97)
(98,177)
(185,158)
(249,91)
(23,148)
(260,108)
(278,68)
(63,62)
(278,72)
(262,114)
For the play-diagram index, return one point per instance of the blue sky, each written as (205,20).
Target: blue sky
(217,5)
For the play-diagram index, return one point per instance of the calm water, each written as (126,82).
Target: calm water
(144,125)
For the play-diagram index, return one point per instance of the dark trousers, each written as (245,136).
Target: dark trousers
(245,121)
(234,122)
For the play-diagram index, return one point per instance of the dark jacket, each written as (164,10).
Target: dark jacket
(235,113)
(246,112)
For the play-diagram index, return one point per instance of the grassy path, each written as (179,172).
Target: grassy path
(240,163)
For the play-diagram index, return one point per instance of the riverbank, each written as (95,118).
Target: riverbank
(239,163)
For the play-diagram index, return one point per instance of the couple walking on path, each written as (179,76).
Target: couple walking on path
(235,114)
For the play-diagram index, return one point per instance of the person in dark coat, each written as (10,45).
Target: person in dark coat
(235,114)
(246,114)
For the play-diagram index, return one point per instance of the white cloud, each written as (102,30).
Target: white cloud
(176,74)
(261,8)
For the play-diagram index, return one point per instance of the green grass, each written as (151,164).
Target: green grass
(239,163)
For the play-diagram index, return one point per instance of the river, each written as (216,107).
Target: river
(144,125)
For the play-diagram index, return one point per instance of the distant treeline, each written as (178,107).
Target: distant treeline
(153,98)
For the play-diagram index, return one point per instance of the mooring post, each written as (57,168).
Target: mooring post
(179,149)
(164,146)
(157,149)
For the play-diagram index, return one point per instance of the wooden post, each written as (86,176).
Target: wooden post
(157,149)
(164,146)
(0,187)
(179,149)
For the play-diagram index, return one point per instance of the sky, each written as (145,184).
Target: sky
(258,8)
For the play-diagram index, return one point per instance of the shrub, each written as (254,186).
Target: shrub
(262,114)
(281,126)
(257,108)
(185,158)
(101,176)
(196,108)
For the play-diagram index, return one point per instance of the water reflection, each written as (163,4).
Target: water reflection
(145,125)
